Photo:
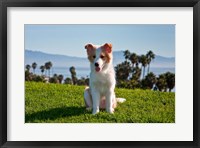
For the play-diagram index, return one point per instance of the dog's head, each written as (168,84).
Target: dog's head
(99,56)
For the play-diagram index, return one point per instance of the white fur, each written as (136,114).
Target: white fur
(102,85)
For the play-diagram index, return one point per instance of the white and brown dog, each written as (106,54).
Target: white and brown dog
(100,93)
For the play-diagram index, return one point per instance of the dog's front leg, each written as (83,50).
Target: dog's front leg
(96,101)
(109,99)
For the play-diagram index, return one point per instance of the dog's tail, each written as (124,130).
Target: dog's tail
(120,100)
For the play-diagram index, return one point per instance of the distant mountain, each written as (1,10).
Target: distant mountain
(67,61)
(159,61)
(58,60)
(165,62)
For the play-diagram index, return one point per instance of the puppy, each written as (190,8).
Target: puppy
(100,93)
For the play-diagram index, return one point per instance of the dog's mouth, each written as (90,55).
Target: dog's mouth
(97,69)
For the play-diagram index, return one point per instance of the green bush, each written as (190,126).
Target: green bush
(38,78)
(131,84)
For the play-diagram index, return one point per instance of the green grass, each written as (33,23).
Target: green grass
(56,103)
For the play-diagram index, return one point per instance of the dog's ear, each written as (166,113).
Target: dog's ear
(89,48)
(107,47)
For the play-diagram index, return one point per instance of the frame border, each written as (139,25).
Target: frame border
(99,3)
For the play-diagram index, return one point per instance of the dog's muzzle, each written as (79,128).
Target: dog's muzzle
(97,68)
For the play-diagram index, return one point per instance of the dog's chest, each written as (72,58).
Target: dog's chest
(101,82)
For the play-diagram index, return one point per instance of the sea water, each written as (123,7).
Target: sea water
(85,72)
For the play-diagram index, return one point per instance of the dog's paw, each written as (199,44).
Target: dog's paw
(95,111)
(110,110)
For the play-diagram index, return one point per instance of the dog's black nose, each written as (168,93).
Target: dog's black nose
(96,64)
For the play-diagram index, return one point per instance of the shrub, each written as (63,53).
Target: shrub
(131,84)
(149,81)
(37,78)
(68,81)
(54,80)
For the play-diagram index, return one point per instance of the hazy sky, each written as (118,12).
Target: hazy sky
(71,39)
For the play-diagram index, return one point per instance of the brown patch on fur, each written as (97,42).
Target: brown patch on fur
(89,46)
(91,59)
(107,52)
(107,56)
(91,52)
(107,47)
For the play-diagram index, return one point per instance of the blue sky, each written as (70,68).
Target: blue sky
(71,39)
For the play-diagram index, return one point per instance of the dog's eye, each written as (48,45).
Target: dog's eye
(94,56)
(102,56)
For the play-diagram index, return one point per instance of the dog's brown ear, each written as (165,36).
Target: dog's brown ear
(89,48)
(107,47)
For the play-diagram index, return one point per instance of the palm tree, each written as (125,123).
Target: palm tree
(42,69)
(143,61)
(150,80)
(55,75)
(127,54)
(136,74)
(34,65)
(72,70)
(60,78)
(170,79)
(28,67)
(68,81)
(150,56)
(53,80)
(123,70)
(161,82)
(73,74)
(81,81)
(133,58)
(48,66)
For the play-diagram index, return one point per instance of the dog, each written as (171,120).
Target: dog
(100,93)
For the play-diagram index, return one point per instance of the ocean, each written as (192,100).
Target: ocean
(85,72)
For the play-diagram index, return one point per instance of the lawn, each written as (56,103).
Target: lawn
(61,103)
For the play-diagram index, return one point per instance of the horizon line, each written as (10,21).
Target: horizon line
(84,57)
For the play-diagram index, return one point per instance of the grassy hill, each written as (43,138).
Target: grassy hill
(60,103)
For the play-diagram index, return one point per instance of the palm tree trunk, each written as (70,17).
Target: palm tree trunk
(143,72)
(148,68)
